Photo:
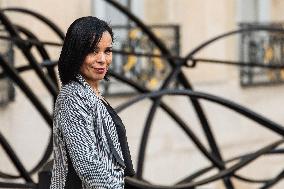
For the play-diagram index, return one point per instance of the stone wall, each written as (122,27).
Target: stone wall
(170,155)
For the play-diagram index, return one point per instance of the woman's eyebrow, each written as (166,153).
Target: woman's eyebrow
(98,48)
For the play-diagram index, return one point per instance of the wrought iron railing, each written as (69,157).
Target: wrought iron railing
(213,153)
(265,47)
(7,90)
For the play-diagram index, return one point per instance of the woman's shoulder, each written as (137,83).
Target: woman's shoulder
(70,88)
(74,92)
(73,89)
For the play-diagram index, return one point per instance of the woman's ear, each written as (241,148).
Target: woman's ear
(106,77)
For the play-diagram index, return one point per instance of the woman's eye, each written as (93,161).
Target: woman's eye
(96,51)
(108,51)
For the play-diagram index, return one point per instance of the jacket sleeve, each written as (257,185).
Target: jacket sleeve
(76,121)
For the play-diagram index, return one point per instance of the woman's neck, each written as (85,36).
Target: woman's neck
(95,86)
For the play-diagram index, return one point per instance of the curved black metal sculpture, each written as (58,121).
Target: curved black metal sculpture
(213,155)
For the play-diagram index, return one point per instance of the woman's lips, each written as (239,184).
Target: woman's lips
(100,70)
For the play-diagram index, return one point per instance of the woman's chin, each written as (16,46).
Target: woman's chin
(100,78)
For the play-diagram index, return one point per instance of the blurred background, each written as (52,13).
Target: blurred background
(182,25)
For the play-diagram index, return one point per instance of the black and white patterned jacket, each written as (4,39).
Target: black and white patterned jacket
(79,118)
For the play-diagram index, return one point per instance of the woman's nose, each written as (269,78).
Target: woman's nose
(101,58)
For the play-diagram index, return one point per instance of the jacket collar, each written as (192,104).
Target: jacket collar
(85,84)
(82,80)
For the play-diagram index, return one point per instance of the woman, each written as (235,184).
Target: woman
(90,146)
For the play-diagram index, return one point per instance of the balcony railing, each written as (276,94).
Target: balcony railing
(264,47)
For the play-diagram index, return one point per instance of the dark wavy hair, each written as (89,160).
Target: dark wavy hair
(82,37)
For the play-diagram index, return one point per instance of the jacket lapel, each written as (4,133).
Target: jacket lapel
(103,113)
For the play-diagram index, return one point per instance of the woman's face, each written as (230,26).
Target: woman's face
(95,64)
